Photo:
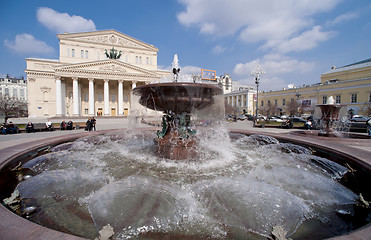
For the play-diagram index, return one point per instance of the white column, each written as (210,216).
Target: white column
(75,93)
(232,101)
(121,98)
(106,97)
(91,97)
(228,100)
(58,95)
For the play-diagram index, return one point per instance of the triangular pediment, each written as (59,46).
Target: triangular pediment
(105,67)
(108,37)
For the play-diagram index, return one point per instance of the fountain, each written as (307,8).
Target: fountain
(236,185)
(330,113)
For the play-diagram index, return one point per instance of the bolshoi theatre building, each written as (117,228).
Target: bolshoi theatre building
(94,75)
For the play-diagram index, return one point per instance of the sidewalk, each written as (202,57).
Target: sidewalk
(125,123)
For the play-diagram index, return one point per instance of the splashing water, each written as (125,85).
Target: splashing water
(238,188)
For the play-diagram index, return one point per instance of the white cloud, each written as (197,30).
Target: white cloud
(271,22)
(218,49)
(27,44)
(342,18)
(306,40)
(63,22)
(273,64)
(276,68)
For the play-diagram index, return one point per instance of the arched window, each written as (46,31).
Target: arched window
(147,60)
(6,92)
(86,54)
(15,93)
(82,53)
(22,94)
(136,59)
(140,60)
(73,52)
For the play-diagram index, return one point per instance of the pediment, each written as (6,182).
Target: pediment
(109,37)
(105,67)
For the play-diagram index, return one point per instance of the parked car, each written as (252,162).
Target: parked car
(276,119)
(359,118)
(241,117)
(298,119)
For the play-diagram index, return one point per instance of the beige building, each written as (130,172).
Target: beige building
(241,100)
(349,85)
(84,81)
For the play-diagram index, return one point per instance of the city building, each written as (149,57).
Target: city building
(94,75)
(14,88)
(349,85)
(241,100)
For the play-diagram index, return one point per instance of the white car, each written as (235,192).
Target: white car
(359,118)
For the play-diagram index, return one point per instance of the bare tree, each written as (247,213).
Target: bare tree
(10,108)
(293,107)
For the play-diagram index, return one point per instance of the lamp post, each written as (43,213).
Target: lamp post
(256,74)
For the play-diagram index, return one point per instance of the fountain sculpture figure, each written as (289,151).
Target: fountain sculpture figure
(177,101)
(330,113)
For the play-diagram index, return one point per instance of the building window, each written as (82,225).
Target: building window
(354,98)
(140,60)
(73,52)
(98,55)
(369,97)
(262,103)
(136,59)
(22,94)
(269,102)
(338,98)
(82,53)
(283,102)
(86,97)
(113,98)
(86,54)
(147,60)
(275,102)
(292,100)
(100,98)
(6,92)
(86,110)
(1,92)
(324,99)
(15,93)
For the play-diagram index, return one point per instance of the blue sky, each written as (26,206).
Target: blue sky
(294,41)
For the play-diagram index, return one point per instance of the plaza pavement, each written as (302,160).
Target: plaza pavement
(119,123)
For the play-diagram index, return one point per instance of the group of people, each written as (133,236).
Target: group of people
(9,128)
(90,124)
(66,126)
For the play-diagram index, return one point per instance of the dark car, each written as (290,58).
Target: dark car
(298,119)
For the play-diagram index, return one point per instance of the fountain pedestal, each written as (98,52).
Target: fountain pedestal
(176,140)
(330,113)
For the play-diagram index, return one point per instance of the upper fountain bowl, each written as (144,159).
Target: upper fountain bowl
(177,97)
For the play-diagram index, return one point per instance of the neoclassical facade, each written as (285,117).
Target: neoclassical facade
(84,81)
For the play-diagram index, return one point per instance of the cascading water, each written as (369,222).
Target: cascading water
(238,188)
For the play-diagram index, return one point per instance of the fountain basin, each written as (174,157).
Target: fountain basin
(176,97)
(359,161)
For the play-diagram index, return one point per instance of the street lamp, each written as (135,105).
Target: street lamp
(256,74)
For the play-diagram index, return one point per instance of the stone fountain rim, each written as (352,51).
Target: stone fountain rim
(182,84)
(13,226)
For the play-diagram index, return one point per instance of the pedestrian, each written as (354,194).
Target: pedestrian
(93,121)
(49,125)
(88,125)
(63,125)
(30,127)
(368,123)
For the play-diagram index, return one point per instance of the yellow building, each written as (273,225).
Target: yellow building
(349,85)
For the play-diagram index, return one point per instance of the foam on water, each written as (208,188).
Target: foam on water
(248,184)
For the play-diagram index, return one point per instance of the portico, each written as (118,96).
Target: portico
(86,85)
